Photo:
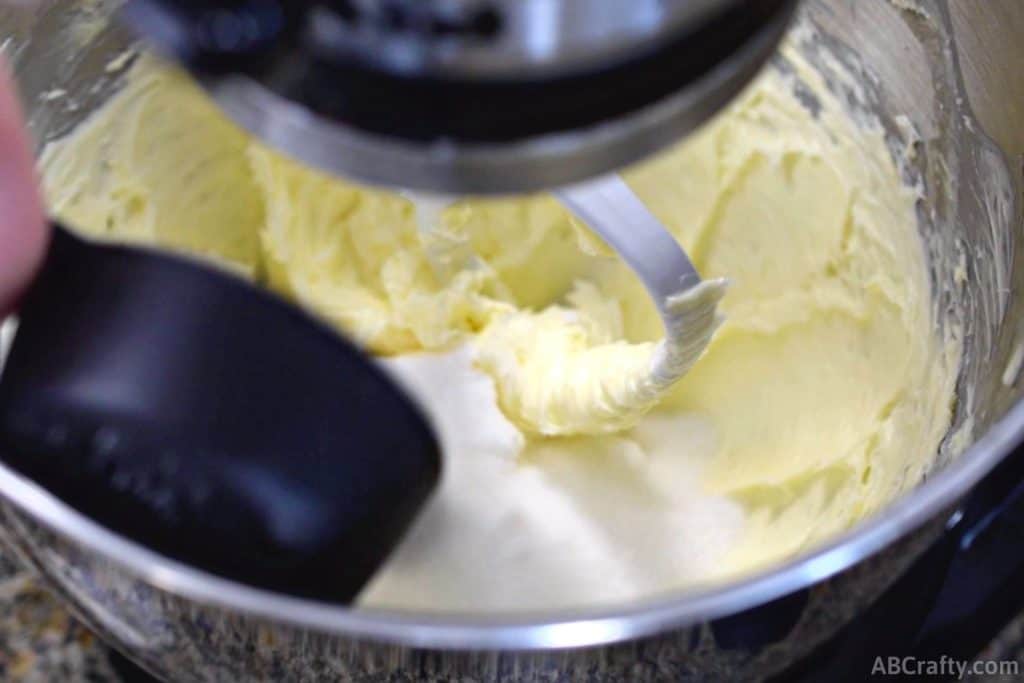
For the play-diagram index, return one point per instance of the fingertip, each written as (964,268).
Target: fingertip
(24,232)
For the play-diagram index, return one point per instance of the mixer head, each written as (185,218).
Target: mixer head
(467,96)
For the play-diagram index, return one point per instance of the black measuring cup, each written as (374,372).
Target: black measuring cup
(210,422)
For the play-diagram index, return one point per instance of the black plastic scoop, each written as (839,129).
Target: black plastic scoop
(210,421)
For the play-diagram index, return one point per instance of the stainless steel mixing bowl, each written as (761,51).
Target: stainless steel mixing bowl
(951,69)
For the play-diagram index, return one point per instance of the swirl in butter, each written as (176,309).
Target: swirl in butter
(556,377)
(823,395)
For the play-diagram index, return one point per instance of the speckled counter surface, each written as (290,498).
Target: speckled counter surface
(41,642)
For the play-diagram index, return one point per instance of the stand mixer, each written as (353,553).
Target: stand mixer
(471,97)
(468,96)
(509,97)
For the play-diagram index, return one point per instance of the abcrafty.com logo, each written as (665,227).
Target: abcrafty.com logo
(946,667)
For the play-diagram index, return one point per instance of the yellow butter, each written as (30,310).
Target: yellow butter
(823,396)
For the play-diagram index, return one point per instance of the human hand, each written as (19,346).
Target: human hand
(24,232)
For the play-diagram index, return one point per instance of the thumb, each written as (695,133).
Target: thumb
(23,228)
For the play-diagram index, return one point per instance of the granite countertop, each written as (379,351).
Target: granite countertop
(39,640)
(41,643)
